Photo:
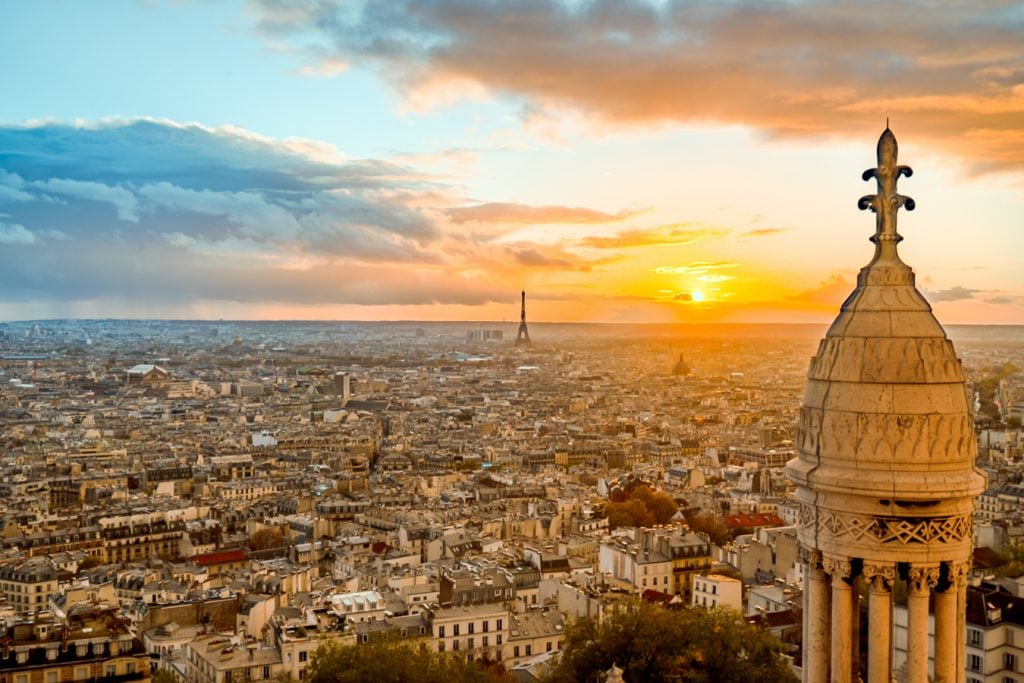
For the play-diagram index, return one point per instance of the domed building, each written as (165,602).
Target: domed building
(885,475)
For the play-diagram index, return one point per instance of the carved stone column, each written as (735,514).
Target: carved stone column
(818,615)
(958,573)
(840,571)
(880,578)
(946,628)
(921,579)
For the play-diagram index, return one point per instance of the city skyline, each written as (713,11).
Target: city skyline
(621,162)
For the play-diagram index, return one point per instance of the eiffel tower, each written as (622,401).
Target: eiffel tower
(523,337)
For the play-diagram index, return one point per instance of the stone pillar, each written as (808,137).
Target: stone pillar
(818,615)
(946,628)
(840,571)
(920,580)
(958,573)
(880,578)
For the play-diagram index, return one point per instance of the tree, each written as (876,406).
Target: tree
(713,526)
(396,661)
(268,537)
(638,505)
(652,644)
(163,676)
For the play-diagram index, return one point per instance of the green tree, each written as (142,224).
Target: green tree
(396,661)
(654,644)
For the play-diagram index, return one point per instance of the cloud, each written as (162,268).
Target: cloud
(695,268)
(675,234)
(956,293)
(830,292)
(159,211)
(683,296)
(123,200)
(524,214)
(11,188)
(12,233)
(763,232)
(534,256)
(820,67)
(1001,300)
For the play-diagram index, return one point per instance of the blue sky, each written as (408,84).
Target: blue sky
(684,160)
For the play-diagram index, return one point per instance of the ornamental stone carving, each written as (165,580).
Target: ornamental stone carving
(958,573)
(922,579)
(879,576)
(838,568)
(887,529)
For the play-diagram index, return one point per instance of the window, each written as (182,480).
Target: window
(515,651)
(303,656)
(486,624)
(498,639)
(1009,661)
(469,643)
(440,647)
(485,642)
(455,645)
(440,631)
(529,650)
(498,626)
(471,625)
(973,663)
(455,630)
(974,637)
(548,647)
(51,677)
(111,670)
(266,672)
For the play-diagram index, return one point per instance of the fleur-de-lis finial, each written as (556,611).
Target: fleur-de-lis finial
(886,202)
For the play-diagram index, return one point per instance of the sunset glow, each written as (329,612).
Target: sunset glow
(628,161)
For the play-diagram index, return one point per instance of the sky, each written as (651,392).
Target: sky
(620,160)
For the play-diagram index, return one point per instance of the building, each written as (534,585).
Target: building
(885,474)
(145,373)
(717,591)
(477,631)
(995,636)
(28,586)
(91,644)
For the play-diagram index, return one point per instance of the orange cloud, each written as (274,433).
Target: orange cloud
(675,234)
(951,70)
(695,268)
(763,232)
(524,214)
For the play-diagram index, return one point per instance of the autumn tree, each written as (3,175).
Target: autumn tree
(711,525)
(268,537)
(652,644)
(639,506)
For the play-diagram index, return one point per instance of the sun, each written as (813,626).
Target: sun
(698,296)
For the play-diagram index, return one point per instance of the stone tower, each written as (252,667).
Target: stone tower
(885,475)
(523,336)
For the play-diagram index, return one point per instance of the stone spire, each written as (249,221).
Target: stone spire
(885,475)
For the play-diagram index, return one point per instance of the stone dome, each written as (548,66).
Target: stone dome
(885,431)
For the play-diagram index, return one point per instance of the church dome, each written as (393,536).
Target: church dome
(885,429)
